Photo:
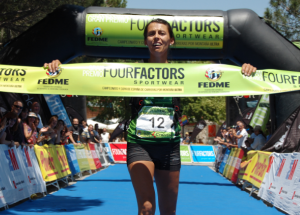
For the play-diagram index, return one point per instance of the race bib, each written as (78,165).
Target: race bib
(155,122)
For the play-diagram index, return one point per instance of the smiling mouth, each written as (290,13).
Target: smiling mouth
(157,44)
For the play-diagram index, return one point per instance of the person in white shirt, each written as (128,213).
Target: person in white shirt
(35,107)
(241,135)
(105,136)
(259,140)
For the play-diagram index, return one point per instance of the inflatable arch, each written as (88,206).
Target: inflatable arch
(242,37)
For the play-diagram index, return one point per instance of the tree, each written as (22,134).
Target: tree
(207,108)
(16,16)
(284,16)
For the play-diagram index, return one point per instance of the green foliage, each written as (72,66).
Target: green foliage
(16,16)
(207,108)
(112,107)
(284,16)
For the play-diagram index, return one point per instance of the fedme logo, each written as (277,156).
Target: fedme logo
(11,159)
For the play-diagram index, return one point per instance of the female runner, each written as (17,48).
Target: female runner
(149,157)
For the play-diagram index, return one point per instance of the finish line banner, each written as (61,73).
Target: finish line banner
(145,79)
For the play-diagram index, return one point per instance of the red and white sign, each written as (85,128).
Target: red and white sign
(119,151)
(95,157)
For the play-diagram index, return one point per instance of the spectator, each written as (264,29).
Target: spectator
(18,108)
(36,123)
(53,131)
(241,135)
(181,139)
(92,135)
(76,132)
(9,123)
(105,136)
(30,129)
(251,135)
(268,127)
(186,139)
(123,140)
(65,135)
(84,125)
(259,140)
(96,129)
(35,107)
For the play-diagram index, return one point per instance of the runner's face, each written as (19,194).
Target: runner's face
(158,39)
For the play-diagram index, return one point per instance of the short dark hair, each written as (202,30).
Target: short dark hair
(51,119)
(162,21)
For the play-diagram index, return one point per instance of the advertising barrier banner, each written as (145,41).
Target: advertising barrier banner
(145,79)
(13,179)
(48,168)
(233,163)
(89,157)
(239,157)
(185,155)
(203,153)
(72,159)
(244,165)
(103,30)
(101,154)
(281,184)
(61,161)
(94,155)
(257,168)
(108,154)
(119,151)
(30,166)
(224,161)
(219,158)
(81,158)
(229,161)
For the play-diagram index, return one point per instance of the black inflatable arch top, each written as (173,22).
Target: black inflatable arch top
(247,39)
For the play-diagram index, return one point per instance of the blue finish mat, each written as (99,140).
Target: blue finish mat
(110,191)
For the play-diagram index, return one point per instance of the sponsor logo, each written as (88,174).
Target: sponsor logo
(279,169)
(119,151)
(204,153)
(259,168)
(270,186)
(97,31)
(280,190)
(213,74)
(12,72)
(292,169)
(11,158)
(270,164)
(55,73)
(184,153)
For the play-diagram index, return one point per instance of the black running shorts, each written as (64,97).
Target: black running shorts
(165,156)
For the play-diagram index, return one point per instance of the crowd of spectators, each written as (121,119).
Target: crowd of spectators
(23,126)
(244,137)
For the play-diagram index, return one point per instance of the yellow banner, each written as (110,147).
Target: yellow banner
(256,167)
(89,157)
(46,161)
(53,162)
(62,161)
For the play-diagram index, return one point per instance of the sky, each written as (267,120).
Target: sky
(257,6)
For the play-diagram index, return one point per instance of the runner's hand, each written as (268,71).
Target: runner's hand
(248,69)
(53,66)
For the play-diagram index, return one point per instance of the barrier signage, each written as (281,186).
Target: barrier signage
(81,158)
(108,154)
(185,155)
(119,151)
(71,155)
(190,31)
(94,156)
(203,153)
(281,184)
(224,161)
